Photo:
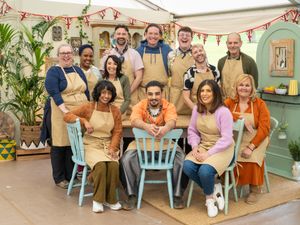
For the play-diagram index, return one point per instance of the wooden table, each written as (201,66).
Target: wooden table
(182,122)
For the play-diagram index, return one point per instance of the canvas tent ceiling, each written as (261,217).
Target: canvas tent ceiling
(211,17)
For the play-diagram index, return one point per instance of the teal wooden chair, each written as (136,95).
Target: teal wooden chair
(149,159)
(238,126)
(274,125)
(75,137)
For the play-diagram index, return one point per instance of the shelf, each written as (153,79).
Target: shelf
(263,94)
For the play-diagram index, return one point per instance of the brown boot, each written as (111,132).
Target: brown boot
(254,195)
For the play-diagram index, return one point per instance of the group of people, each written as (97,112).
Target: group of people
(134,83)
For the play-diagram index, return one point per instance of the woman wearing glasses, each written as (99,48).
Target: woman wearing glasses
(112,72)
(67,86)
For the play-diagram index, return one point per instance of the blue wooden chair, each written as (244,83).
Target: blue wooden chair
(149,159)
(238,126)
(75,137)
(274,125)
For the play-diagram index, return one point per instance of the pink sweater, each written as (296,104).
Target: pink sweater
(224,123)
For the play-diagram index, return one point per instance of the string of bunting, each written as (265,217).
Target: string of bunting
(5,8)
(294,13)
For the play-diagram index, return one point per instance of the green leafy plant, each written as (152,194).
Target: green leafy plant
(294,147)
(282,86)
(23,77)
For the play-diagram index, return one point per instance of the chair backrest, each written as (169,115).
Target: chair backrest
(75,137)
(151,158)
(274,125)
(238,126)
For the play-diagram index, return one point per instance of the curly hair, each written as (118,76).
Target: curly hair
(104,85)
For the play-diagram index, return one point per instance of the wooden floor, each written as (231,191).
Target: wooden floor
(28,196)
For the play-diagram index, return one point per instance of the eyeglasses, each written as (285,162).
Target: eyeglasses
(185,35)
(122,59)
(65,53)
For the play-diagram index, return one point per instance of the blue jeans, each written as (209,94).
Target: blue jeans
(202,174)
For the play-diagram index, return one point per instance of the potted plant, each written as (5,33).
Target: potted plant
(282,128)
(26,84)
(281,89)
(294,148)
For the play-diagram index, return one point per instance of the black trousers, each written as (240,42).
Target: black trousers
(62,164)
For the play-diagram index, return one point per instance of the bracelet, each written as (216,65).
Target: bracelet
(250,148)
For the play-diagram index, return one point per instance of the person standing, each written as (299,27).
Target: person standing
(255,139)
(198,72)
(112,72)
(179,61)
(132,64)
(210,135)
(101,140)
(156,116)
(92,73)
(67,86)
(154,53)
(234,64)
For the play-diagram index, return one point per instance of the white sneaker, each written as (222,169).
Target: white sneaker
(116,206)
(218,196)
(97,207)
(212,210)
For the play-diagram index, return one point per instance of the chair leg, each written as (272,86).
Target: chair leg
(170,188)
(266,177)
(234,186)
(83,182)
(70,186)
(141,189)
(242,191)
(190,194)
(226,191)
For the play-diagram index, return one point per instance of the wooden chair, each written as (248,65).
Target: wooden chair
(274,125)
(238,126)
(149,159)
(75,137)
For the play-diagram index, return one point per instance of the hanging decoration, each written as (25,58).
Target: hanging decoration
(293,14)
(4,9)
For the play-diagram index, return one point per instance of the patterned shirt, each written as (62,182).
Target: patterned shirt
(189,76)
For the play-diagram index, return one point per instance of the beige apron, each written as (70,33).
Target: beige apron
(96,144)
(154,70)
(258,154)
(127,70)
(199,77)
(178,68)
(73,96)
(231,70)
(119,100)
(91,80)
(210,134)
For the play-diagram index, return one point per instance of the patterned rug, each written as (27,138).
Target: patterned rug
(282,191)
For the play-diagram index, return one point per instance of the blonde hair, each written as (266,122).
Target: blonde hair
(198,46)
(64,45)
(241,78)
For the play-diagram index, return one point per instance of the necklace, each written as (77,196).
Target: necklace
(152,114)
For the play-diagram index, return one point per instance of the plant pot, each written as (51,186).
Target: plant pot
(296,170)
(30,137)
(282,135)
(7,150)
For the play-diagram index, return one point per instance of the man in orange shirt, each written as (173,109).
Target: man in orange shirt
(156,116)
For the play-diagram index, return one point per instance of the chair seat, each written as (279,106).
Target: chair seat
(161,167)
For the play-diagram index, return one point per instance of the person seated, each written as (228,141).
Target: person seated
(112,72)
(250,170)
(198,72)
(156,116)
(210,135)
(103,125)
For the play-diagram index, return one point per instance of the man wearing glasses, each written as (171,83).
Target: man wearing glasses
(132,64)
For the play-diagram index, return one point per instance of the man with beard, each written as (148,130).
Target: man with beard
(156,116)
(179,61)
(132,64)
(200,71)
(234,64)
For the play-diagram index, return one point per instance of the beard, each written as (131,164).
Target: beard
(121,41)
(154,103)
